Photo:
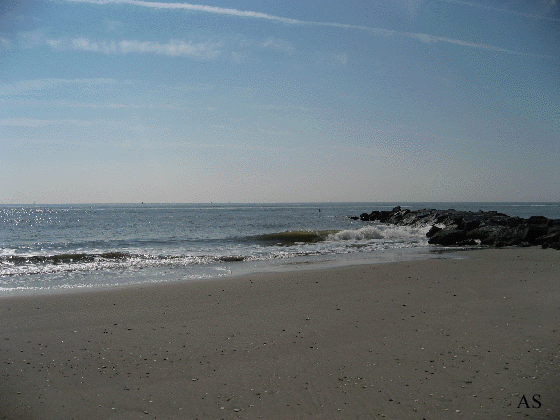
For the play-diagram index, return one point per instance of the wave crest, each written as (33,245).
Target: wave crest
(13,265)
(62,258)
(369,233)
(291,237)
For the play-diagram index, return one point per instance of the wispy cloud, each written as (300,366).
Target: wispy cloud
(113,25)
(5,43)
(553,3)
(277,44)
(36,123)
(331,58)
(209,49)
(431,38)
(30,39)
(288,21)
(174,48)
(39,84)
(74,104)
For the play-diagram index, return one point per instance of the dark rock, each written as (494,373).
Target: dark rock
(513,221)
(433,230)
(448,237)
(453,227)
(470,225)
(410,219)
(481,233)
(537,220)
(553,236)
(533,233)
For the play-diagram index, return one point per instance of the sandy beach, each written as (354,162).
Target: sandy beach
(475,337)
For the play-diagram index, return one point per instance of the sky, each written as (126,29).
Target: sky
(123,101)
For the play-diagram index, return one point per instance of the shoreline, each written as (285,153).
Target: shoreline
(401,340)
(244,268)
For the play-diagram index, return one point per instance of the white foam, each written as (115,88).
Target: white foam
(375,232)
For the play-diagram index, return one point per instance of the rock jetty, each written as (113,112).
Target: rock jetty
(465,228)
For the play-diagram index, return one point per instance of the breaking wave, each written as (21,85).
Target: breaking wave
(366,233)
(380,232)
(11,265)
(291,237)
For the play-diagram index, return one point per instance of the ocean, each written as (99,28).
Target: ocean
(50,248)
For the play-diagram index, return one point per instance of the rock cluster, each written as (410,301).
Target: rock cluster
(464,228)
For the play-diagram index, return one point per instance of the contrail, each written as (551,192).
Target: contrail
(195,7)
(257,15)
(497,9)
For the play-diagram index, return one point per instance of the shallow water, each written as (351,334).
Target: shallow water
(65,247)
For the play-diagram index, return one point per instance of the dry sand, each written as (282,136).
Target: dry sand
(435,339)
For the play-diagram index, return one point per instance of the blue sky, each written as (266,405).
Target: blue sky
(279,101)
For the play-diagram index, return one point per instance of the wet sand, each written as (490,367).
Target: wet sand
(471,338)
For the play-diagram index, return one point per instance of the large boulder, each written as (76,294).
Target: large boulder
(537,220)
(447,237)
(549,240)
(433,230)
(533,232)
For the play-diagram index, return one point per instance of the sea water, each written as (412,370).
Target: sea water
(45,248)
